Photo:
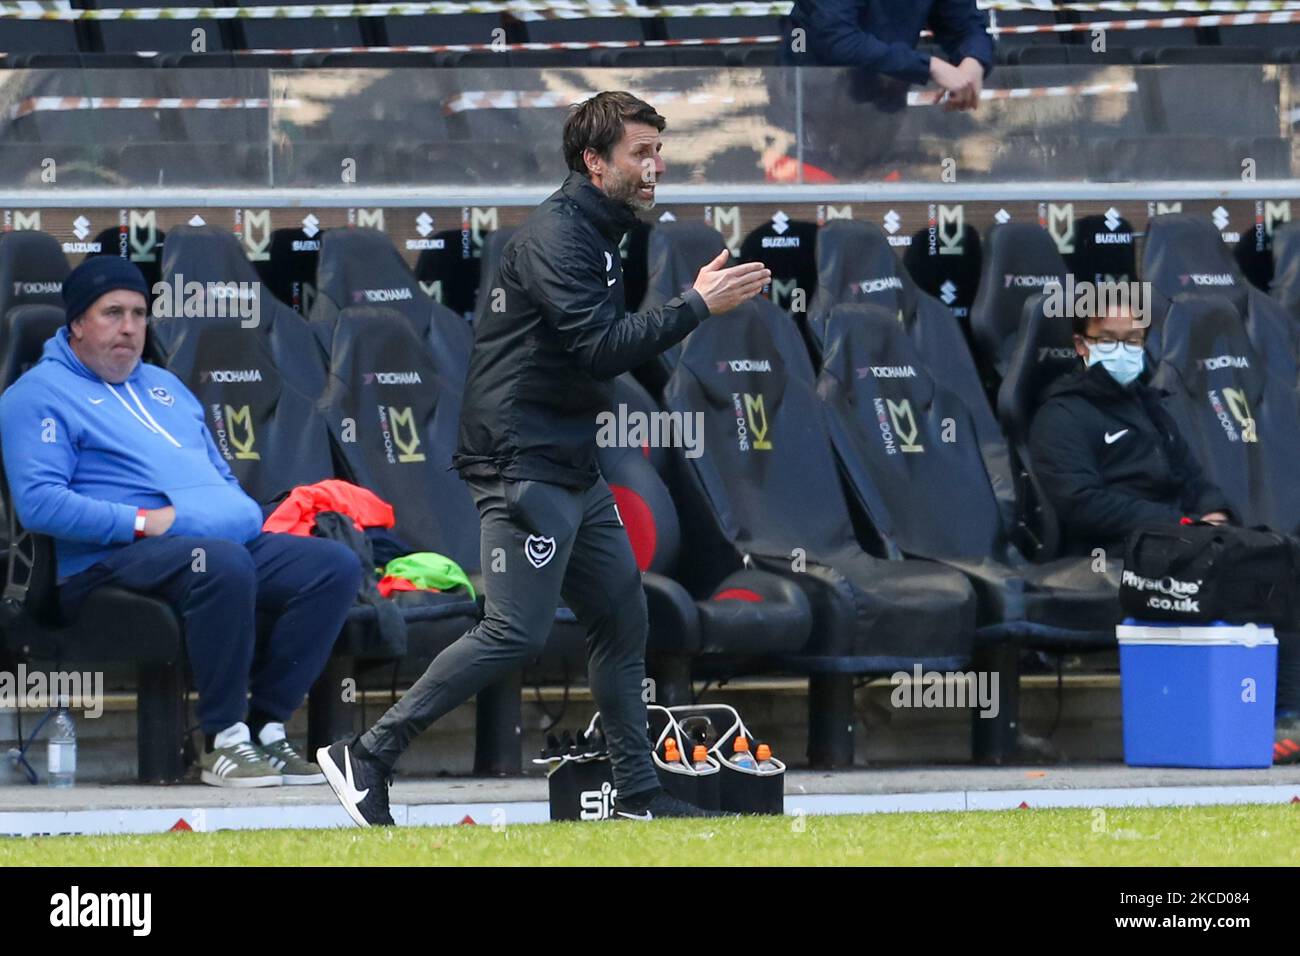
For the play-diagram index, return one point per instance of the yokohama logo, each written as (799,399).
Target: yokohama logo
(1207,278)
(887,371)
(880,285)
(382,295)
(745,365)
(1028,282)
(393,378)
(1223,361)
(38,288)
(232,375)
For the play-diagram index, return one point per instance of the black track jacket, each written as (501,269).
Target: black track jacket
(543,359)
(1110,460)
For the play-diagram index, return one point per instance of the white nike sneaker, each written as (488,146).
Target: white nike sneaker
(360,785)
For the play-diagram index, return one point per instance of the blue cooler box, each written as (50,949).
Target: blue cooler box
(1198,696)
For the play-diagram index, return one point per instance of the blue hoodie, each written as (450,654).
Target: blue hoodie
(82,455)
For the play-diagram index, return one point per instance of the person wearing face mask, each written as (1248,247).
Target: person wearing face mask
(1109,457)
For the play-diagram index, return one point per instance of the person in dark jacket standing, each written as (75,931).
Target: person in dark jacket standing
(881,36)
(547,345)
(1110,458)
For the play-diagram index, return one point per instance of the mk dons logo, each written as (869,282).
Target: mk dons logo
(826,213)
(1059,223)
(405,419)
(256,233)
(751,422)
(947,227)
(142,228)
(904,422)
(237,419)
(539,550)
(724,219)
(366,218)
(474,222)
(17,221)
(1240,409)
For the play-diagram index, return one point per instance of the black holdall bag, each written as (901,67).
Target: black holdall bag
(1201,572)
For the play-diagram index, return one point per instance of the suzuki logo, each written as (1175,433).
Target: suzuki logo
(1002,216)
(81,227)
(780,223)
(1112,219)
(947,292)
(891,222)
(424,224)
(405,419)
(310,226)
(197,220)
(1220,218)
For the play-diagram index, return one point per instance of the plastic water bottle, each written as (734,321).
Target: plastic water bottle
(700,759)
(764,754)
(740,756)
(61,750)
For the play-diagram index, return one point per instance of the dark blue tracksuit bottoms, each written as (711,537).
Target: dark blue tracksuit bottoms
(219,589)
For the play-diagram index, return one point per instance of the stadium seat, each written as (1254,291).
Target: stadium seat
(49,36)
(693,28)
(1020,259)
(144,248)
(1185,254)
(1240,421)
(290,271)
(267,431)
(750,615)
(361,267)
(437,30)
(1043,351)
(279,33)
(944,262)
(1104,249)
(787,247)
(1049,54)
(590,29)
(125,36)
(765,493)
(635,249)
(451,273)
(1285,285)
(676,251)
(32,270)
(855,264)
(207,254)
(897,435)
(1206,55)
(494,244)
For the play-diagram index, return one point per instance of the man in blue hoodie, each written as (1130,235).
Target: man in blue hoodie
(112,459)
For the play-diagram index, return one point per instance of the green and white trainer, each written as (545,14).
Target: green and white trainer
(240,765)
(296,769)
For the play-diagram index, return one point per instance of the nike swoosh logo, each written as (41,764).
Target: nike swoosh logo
(1111,439)
(95,401)
(353,794)
(611,282)
(609,262)
(635,816)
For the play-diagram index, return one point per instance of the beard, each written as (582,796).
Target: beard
(624,188)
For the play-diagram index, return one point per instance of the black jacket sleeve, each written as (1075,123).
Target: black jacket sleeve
(960,29)
(835,39)
(571,291)
(1071,477)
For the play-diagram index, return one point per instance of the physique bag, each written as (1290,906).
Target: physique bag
(1202,572)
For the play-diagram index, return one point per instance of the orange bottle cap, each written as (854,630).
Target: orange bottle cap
(700,752)
(764,752)
(741,745)
(670,745)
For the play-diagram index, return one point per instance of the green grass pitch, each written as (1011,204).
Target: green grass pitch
(1204,836)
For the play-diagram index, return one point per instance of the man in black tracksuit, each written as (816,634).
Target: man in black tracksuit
(548,342)
(1109,457)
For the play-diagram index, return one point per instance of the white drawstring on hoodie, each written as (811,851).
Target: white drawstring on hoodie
(151,424)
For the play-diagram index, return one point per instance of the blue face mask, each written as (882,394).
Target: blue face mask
(1124,364)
